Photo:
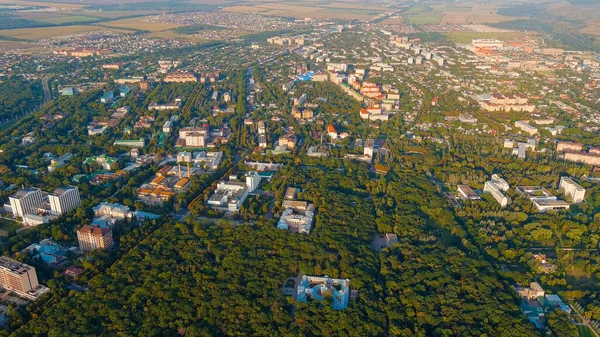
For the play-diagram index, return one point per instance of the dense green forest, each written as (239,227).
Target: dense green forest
(200,279)
(19,96)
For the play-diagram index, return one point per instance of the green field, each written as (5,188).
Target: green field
(584,331)
(426,18)
(68,19)
(9,225)
(467,37)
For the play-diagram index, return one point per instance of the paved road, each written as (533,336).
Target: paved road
(585,321)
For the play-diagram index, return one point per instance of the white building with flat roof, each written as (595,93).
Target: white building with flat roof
(496,192)
(64,199)
(26,200)
(572,189)
(531,130)
(500,183)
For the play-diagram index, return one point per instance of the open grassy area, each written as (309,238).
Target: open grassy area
(61,19)
(34,34)
(309,9)
(426,18)
(467,37)
(584,331)
(9,225)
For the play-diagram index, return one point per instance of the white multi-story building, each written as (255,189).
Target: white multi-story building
(64,199)
(496,192)
(252,181)
(25,201)
(572,189)
(531,130)
(93,237)
(500,183)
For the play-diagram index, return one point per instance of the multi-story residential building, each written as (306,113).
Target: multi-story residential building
(180,78)
(20,278)
(26,201)
(582,157)
(572,189)
(93,237)
(64,199)
(526,127)
(563,146)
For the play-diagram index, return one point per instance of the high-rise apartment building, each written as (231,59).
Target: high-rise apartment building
(26,201)
(93,237)
(64,199)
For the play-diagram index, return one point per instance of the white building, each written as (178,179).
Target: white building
(25,201)
(252,181)
(531,130)
(572,189)
(500,183)
(496,192)
(64,199)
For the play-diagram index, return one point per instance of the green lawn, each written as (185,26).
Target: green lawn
(584,331)
(9,225)
(426,18)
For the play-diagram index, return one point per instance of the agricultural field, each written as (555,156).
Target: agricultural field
(42,3)
(141,23)
(11,45)
(309,9)
(462,14)
(34,34)
(62,19)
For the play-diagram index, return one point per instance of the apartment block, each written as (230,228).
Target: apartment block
(563,146)
(25,201)
(20,278)
(93,237)
(64,199)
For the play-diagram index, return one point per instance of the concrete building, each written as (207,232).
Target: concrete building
(563,146)
(193,137)
(20,278)
(93,237)
(582,157)
(496,192)
(500,183)
(534,291)
(531,130)
(542,199)
(467,193)
(572,189)
(64,199)
(229,195)
(26,201)
(297,216)
(311,287)
(252,181)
